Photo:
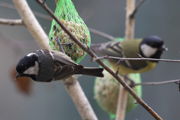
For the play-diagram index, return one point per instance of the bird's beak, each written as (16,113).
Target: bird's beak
(164,48)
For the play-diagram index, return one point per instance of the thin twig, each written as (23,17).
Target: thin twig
(102,34)
(71,84)
(138,59)
(177,81)
(139,4)
(10,6)
(93,55)
(46,17)
(11,21)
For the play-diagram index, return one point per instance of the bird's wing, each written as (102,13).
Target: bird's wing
(62,58)
(109,49)
(64,72)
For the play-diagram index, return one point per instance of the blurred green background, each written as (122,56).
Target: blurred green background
(50,101)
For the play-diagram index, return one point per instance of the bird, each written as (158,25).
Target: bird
(148,47)
(48,65)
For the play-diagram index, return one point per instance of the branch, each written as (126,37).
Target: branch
(102,34)
(11,21)
(79,98)
(130,22)
(41,15)
(138,59)
(177,81)
(31,23)
(46,17)
(93,55)
(71,84)
(140,3)
(129,35)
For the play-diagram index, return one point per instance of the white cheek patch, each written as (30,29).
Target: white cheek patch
(147,50)
(34,70)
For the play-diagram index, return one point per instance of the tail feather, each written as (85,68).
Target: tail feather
(98,72)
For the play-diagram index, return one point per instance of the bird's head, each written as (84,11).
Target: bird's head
(152,47)
(28,66)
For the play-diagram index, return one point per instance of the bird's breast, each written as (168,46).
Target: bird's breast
(124,70)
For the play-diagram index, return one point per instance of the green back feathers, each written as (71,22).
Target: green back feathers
(68,15)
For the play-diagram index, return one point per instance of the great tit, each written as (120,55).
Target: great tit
(148,47)
(45,66)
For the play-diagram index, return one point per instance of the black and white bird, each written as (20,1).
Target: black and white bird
(45,66)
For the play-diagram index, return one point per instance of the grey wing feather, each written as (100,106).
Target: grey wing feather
(62,58)
(112,49)
(109,48)
(64,72)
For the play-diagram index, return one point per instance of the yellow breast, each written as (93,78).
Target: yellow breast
(125,70)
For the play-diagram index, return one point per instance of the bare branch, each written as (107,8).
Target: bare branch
(79,98)
(46,17)
(102,34)
(93,55)
(130,22)
(11,21)
(138,59)
(139,4)
(129,35)
(71,84)
(41,15)
(31,23)
(177,81)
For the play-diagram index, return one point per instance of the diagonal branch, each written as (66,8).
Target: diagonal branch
(31,23)
(139,4)
(102,34)
(93,55)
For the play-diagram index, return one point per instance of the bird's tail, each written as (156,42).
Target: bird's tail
(98,72)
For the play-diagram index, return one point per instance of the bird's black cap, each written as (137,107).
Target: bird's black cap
(153,41)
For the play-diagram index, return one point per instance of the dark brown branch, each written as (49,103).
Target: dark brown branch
(93,55)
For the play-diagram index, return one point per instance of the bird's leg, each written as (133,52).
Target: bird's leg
(93,58)
(117,71)
(178,83)
(129,81)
